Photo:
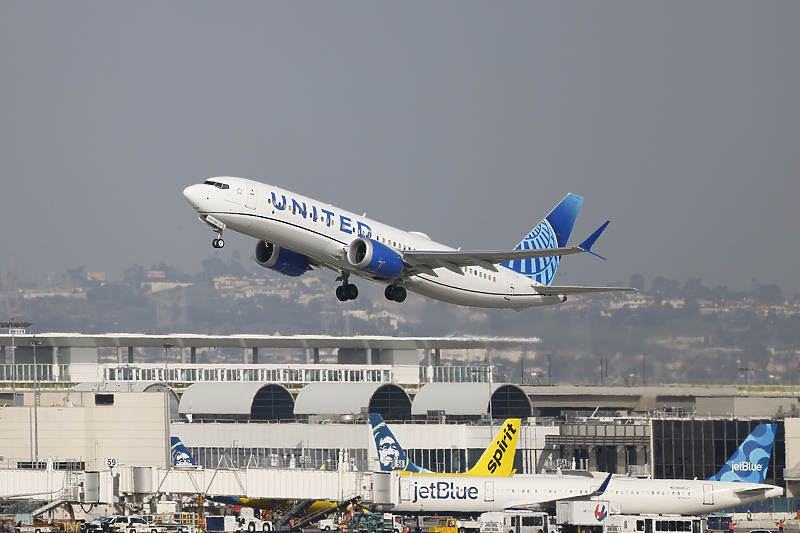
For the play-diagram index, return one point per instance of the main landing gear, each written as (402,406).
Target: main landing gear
(395,293)
(346,291)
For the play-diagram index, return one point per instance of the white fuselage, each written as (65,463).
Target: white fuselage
(627,495)
(477,494)
(465,494)
(323,233)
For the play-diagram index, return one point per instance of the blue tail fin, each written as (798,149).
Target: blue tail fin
(180,455)
(390,454)
(552,232)
(750,461)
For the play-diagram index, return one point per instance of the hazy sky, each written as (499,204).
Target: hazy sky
(679,121)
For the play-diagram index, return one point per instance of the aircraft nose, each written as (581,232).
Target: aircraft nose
(194,195)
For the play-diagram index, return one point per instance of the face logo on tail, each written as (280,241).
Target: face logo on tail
(180,455)
(389,453)
(180,458)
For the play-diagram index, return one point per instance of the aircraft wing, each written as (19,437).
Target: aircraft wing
(423,261)
(551,503)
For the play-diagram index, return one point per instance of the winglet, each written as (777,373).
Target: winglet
(602,488)
(586,245)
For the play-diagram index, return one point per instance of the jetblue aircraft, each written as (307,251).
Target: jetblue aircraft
(296,233)
(739,482)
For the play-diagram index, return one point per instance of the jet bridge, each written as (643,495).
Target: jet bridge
(141,484)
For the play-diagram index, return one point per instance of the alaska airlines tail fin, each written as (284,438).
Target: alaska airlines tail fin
(552,232)
(498,459)
(390,454)
(180,455)
(750,461)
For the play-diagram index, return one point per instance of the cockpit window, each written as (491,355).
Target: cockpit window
(217,184)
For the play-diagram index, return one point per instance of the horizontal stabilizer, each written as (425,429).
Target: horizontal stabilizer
(552,290)
(589,242)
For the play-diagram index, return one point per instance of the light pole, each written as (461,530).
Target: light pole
(168,464)
(35,342)
(14,328)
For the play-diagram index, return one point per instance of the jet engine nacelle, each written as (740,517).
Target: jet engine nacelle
(285,261)
(375,258)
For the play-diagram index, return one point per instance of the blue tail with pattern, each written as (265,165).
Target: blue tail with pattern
(750,461)
(552,232)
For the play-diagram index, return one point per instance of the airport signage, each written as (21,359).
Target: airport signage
(16,331)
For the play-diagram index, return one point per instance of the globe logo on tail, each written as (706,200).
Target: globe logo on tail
(542,269)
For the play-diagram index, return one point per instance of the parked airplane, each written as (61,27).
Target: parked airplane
(488,486)
(739,482)
(296,233)
(495,459)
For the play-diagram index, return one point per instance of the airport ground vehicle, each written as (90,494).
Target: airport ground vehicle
(719,522)
(594,517)
(126,524)
(250,520)
(327,524)
(518,521)
(454,525)
(370,523)
(221,523)
(173,523)
(118,524)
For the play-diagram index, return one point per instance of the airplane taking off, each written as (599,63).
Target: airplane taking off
(296,233)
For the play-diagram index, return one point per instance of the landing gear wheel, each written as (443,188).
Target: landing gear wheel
(351,291)
(346,292)
(400,294)
(340,294)
(217,243)
(395,293)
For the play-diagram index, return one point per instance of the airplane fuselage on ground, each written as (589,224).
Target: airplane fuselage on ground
(686,497)
(461,494)
(296,232)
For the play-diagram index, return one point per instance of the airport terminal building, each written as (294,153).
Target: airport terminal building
(63,408)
